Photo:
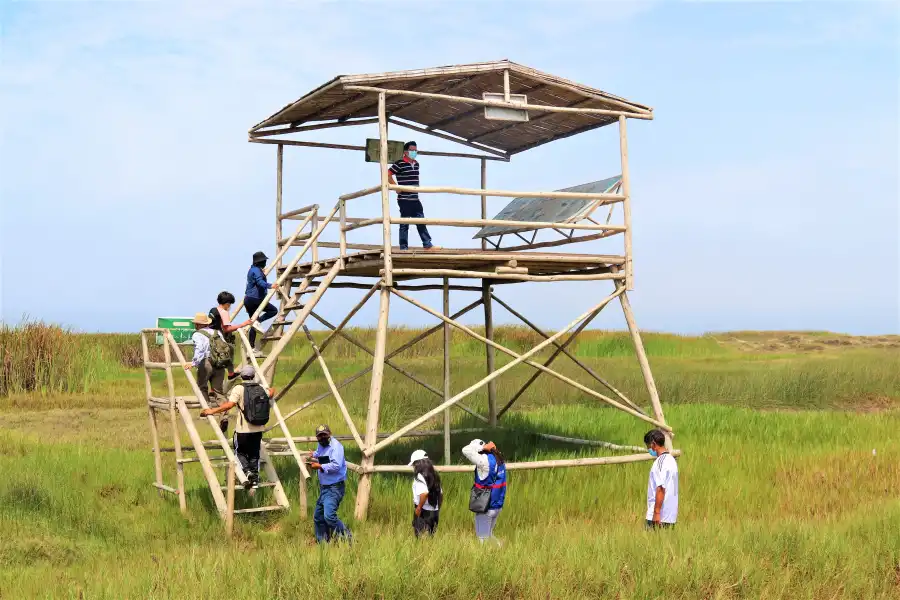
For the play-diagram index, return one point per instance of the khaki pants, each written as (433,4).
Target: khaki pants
(209,376)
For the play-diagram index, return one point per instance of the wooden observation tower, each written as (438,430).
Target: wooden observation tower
(495,110)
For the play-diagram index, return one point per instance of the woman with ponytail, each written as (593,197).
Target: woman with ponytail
(427,493)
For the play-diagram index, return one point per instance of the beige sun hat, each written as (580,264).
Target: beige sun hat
(202,319)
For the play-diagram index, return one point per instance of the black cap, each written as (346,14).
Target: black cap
(259,256)
(322,429)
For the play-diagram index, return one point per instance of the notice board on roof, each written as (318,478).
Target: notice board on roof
(548,210)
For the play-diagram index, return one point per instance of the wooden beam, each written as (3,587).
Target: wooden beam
(507,193)
(368,461)
(518,358)
(574,240)
(532,465)
(626,204)
(449,137)
(571,356)
(447,455)
(602,276)
(385,194)
(363,149)
(297,129)
(530,107)
(176,434)
(488,349)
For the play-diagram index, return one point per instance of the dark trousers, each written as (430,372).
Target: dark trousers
(252,305)
(246,448)
(427,523)
(412,209)
(326,523)
(652,525)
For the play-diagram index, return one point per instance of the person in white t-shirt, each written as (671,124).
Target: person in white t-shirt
(662,487)
(427,493)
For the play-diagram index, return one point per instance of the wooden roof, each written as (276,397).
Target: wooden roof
(332,101)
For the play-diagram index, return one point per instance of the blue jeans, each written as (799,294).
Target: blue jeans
(250,305)
(412,209)
(325,519)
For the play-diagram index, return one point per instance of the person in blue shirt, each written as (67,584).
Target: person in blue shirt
(328,460)
(257,290)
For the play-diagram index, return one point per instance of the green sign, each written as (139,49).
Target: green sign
(182,328)
(373,151)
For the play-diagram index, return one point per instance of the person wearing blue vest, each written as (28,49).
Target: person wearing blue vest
(328,460)
(490,472)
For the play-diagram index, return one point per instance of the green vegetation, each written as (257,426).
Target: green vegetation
(782,503)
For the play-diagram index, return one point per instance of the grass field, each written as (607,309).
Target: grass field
(782,495)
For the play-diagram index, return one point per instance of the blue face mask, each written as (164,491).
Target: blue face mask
(652,452)
(413,154)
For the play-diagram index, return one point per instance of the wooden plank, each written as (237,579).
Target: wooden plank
(489,349)
(385,194)
(447,395)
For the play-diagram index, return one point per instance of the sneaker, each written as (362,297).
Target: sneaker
(223,425)
(258,354)
(430,248)
(404,247)
(253,480)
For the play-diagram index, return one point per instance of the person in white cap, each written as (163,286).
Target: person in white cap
(490,474)
(427,493)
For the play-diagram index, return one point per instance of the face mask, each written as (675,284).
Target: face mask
(653,452)
(413,154)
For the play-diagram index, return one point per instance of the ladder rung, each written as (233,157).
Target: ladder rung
(258,509)
(262,484)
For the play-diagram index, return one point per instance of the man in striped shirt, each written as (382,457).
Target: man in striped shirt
(407,171)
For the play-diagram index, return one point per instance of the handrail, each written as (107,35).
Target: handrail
(507,193)
(299,211)
(486,223)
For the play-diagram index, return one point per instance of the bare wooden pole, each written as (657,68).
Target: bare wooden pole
(484,199)
(211,478)
(526,357)
(327,341)
(642,360)
(278,197)
(333,388)
(571,356)
(278,491)
(343,233)
(229,501)
(385,197)
(626,204)
(447,456)
(154,428)
(517,358)
(539,464)
(489,349)
(176,434)
(506,85)
(368,460)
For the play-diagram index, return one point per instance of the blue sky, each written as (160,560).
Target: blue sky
(765,192)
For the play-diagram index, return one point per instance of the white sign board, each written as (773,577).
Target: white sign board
(496,113)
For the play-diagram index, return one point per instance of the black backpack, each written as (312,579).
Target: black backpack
(256,404)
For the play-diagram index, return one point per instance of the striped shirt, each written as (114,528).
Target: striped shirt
(407,173)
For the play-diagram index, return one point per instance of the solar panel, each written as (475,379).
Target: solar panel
(547,210)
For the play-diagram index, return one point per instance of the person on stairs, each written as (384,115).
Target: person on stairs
(407,171)
(257,290)
(220,316)
(490,477)
(427,494)
(210,359)
(328,460)
(253,404)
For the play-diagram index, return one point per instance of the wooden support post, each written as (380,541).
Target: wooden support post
(517,359)
(385,199)
(489,350)
(176,433)
(626,204)
(229,499)
(334,391)
(211,478)
(278,491)
(506,85)
(154,428)
(368,460)
(315,243)
(343,234)
(447,332)
(278,195)
(645,364)
(484,198)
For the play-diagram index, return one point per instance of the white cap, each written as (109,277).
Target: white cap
(417,455)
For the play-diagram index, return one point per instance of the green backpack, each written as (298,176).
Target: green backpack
(221,353)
